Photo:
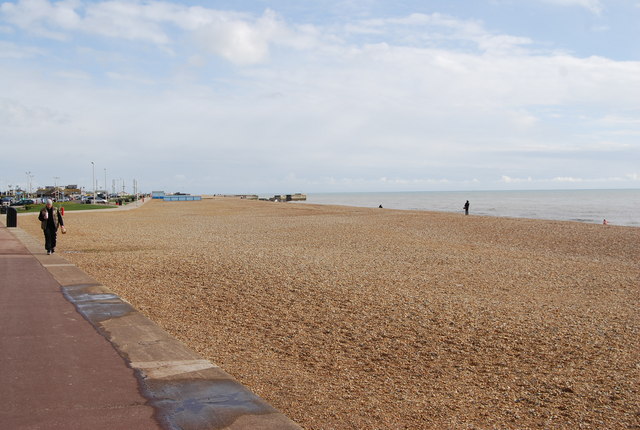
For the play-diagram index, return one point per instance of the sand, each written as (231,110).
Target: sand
(358,318)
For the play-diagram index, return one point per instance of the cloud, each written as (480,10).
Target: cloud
(567,179)
(11,50)
(618,120)
(42,17)
(237,37)
(435,30)
(239,41)
(135,79)
(627,178)
(240,38)
(594,6)
(256,101)
(415,181)
(15,113)
(74,75)
(510,180)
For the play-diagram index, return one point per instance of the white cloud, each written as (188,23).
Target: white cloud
(38,16)
(510,180)
(617,120)
(136,79)
(567,179)
(627,178)
(236,37)
(401,102)
(523,119)
(436,28)
(414,181)
(125,20)
(11,50)
(594,6)
(74,75)
(15,113)
(239,41)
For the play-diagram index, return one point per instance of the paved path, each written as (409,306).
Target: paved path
(75,356)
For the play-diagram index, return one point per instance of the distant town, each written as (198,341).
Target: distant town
(18,196)
(72,193)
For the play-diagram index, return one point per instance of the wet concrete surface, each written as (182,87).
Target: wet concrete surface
(75,355)
(98,307)
(197,403)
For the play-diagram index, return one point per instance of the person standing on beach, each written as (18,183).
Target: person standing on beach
(50,220)
(466,208)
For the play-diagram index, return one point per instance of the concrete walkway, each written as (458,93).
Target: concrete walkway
(73,355)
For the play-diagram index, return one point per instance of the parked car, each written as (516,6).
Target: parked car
(98,200)
(23,202)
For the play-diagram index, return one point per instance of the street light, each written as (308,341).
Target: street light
(93,178)
(28,186)
(55,188)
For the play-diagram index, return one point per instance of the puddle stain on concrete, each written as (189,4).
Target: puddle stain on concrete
(192,403)
(97,307)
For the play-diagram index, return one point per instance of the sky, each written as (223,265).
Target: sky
(262,96)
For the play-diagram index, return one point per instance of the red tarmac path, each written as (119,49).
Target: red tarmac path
(75,356)
(56,371)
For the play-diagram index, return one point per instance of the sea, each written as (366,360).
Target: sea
(618,207)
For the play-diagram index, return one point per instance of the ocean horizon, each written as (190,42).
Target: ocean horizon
(617,206)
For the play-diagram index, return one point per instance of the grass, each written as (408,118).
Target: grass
(67,207)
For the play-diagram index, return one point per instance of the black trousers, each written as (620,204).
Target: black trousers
(50,238)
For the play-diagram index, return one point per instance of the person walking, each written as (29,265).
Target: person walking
(466,208)
(50,220)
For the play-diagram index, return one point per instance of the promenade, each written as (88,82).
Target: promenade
(76,356)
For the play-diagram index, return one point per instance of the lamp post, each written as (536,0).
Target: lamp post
(28,187)
(55,188)
(106,189)
(135,188)
(93,179)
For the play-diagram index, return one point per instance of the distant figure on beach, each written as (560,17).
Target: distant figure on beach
(466,208)
(50,220)
(380,206)
(605,222)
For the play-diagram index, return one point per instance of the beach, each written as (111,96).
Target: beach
(368,318)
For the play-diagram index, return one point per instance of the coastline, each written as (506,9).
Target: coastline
(346,317)
(619,207)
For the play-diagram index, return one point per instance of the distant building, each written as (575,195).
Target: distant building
(177,197)
(289,197)
(181,198)
(71,190)
(47,191)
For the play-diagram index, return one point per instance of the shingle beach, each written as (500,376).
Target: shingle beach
(367,318)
